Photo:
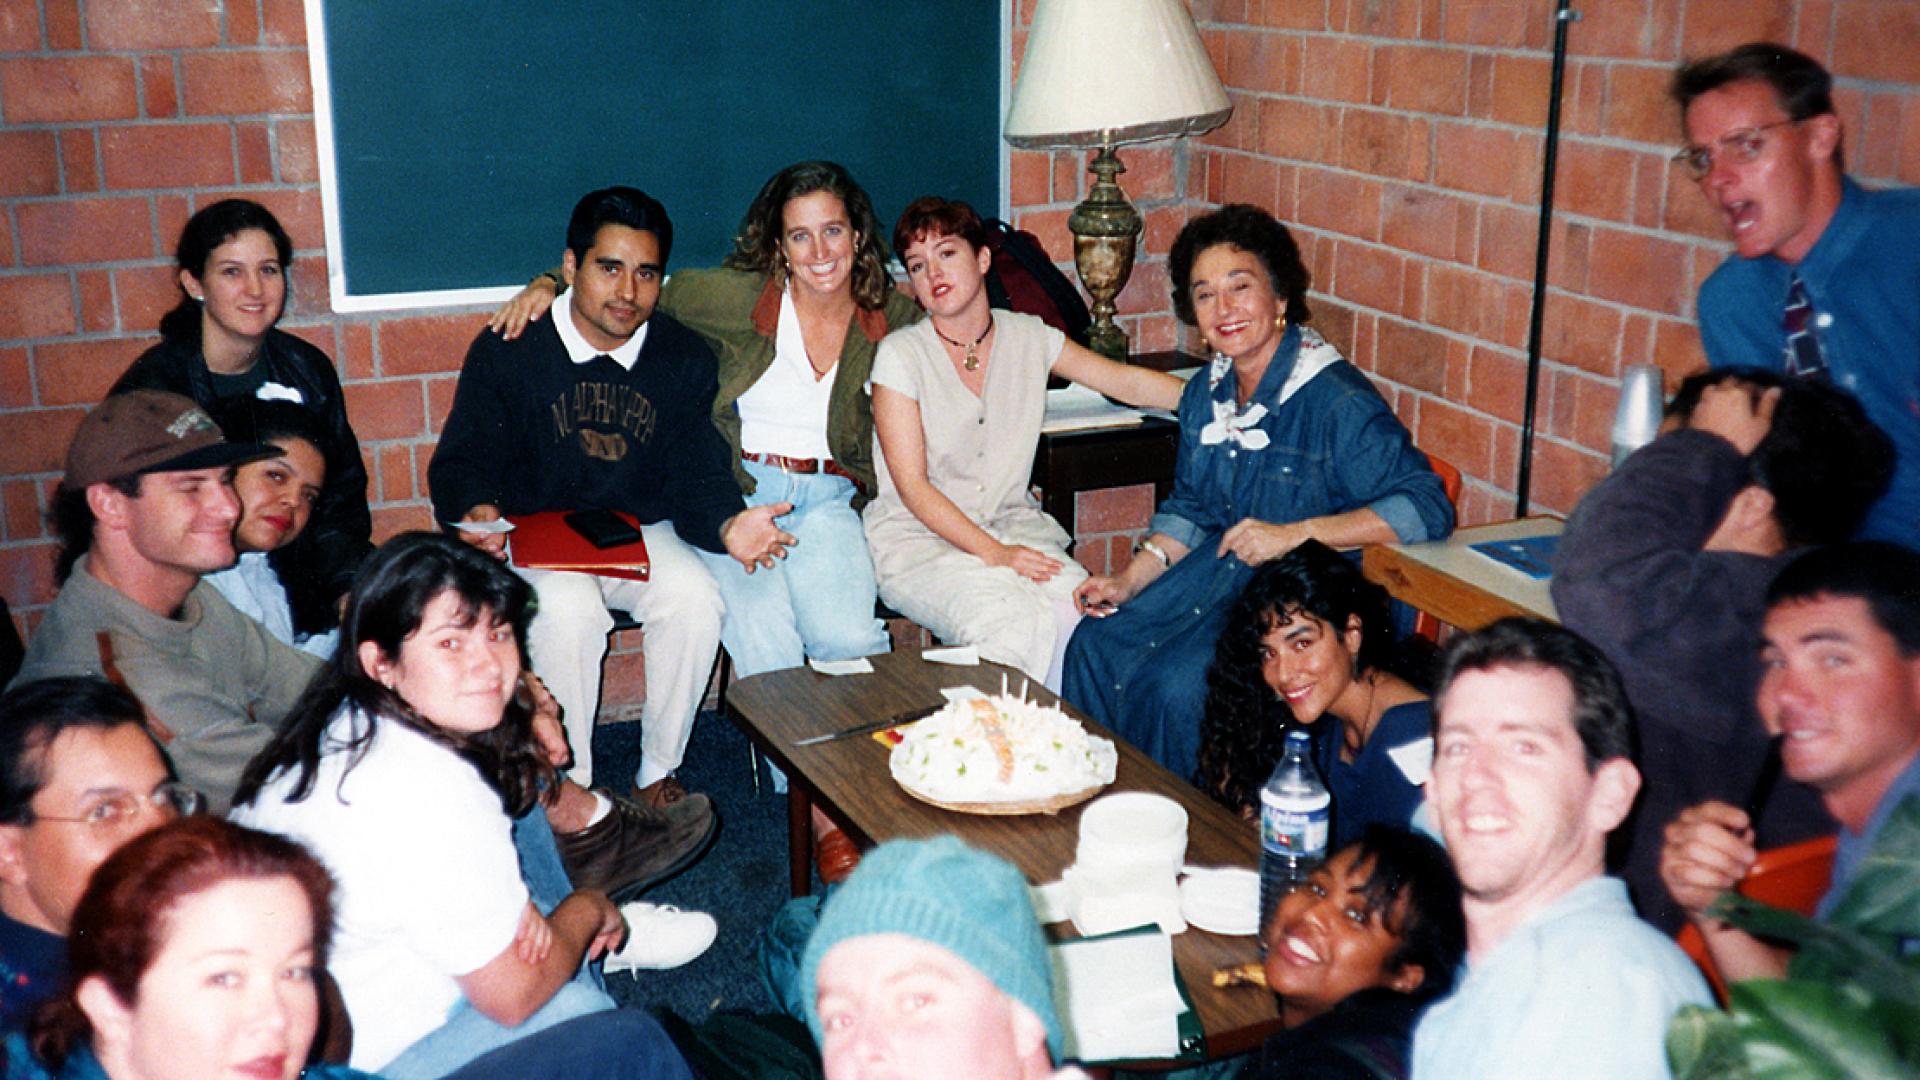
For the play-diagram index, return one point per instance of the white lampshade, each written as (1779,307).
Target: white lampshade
(1110,72)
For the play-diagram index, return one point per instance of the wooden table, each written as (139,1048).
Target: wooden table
(1457,585)
(851,777)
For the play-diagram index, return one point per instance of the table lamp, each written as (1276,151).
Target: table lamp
(1107,73)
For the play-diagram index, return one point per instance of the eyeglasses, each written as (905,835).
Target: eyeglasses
(175,799)
(1735,147)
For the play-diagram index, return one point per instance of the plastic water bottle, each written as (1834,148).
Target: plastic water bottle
(1295,811)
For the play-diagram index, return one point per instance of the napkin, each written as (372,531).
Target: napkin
(957,655)
(1117,997)
(857,666)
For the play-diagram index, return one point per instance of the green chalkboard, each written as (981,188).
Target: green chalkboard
(457,136)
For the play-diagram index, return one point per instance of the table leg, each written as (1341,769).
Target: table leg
(799,840)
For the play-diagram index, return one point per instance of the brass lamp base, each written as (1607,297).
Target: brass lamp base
(1105,229)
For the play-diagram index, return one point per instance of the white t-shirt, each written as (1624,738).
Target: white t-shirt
(785,410)
(429,882)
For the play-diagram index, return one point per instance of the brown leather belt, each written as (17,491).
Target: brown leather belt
(804,466)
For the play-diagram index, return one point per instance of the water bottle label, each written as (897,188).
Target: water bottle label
(1296,827)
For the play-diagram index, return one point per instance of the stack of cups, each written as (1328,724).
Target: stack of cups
(1127,864)
(1637,419)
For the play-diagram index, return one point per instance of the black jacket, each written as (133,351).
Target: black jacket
(340,533)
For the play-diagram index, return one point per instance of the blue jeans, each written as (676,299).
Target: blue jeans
(818,601)
(469,1033)
(619,1044)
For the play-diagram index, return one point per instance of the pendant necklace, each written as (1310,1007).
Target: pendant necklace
(972,362)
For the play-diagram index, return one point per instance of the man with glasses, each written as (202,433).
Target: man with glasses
(79,777)
(1824,281)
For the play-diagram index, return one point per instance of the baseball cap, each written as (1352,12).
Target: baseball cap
(146,431)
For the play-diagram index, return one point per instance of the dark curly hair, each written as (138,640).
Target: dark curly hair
(756,247)
(1250,229)
(385,606)
(1244,728)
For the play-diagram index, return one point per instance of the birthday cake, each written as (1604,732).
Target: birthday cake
(1001,754)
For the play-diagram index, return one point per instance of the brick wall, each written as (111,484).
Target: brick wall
(1402,137)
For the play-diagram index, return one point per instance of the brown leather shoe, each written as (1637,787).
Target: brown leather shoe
(636,847)
(660,794)
(835,856)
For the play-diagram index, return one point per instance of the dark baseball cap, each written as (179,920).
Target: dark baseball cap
(147,431)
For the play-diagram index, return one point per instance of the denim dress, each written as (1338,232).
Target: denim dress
(1314,439)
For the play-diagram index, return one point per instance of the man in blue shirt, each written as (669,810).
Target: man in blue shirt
(79,777)
(1532,769)
(1824,281)
(1841,685)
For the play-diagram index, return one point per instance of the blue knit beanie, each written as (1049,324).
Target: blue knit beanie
(942,892)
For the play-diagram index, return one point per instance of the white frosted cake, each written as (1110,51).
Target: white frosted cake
(1001,749)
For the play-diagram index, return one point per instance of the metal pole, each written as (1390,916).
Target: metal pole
(1524,483)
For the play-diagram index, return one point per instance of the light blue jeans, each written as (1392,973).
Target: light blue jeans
(818,601)
(469,1033)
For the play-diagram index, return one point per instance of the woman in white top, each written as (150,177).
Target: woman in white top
(277,496)
(959,544)
(404,769)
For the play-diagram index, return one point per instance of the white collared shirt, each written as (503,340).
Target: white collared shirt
(578,350)
(785,410)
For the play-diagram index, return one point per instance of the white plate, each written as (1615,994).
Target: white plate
(1222,901)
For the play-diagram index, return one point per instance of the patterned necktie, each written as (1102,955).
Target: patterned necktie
(1804,354)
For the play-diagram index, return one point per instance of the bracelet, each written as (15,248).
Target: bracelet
(559,283)
(1155,550)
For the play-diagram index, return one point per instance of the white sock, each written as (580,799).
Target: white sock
(650,773)
(602,806)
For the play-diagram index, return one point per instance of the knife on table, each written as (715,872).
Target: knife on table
(877,725)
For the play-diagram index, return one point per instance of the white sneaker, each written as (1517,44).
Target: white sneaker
(661,936)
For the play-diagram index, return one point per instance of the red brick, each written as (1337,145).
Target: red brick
(440,401)
(426,344)
(19,26)
(1050,228)
(1303,131)
(1384,143)
(307,285)
(26,574)
(1594,403)
(152,24)
(1875,39)
(1814,34)
(1583,102)
(1068,171)
(1874,149)
(243,24)
(1375,19)
(1617,28)
(1640,270)
(1649,206)
(1163,223)
(387,409)
(1508,237)
(245,83)
(1465,301)
(1113,509)
(145,294)
(1368,276)
(84,231)
(1480,85)
(35,306)
(284,22)
(171,212)
(1026,178)
(68,89)
(395,471)
(1340,203)
(1496,383)
(96,300)
(1562,474)
(1677,349)
(1594,180)
(159,90)
(1422,220)
(1519,90)
(1245,180)
(1242,129)
(1463,439)
(299,161)
(33,163)
(298,210)
(1638,107)
(1713,26)
(1146,291)
(1341,70)
(1689,210)
(256,153)
(63,24)
(355,356)
(167,155)
(1421,79)
(16,378)
(1909,169)
(37,440)
(1477,159)
(1499,23)
(391,521)
(81,372)
(21,500)
(79,160)
(1410,355)
(422,458)
(1149,173)
(1582,334)
(1296,14)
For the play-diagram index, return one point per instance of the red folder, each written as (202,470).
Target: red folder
(546,542)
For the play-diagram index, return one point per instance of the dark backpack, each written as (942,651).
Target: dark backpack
(1022,278)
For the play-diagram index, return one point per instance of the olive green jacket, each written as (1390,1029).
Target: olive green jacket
(738,312)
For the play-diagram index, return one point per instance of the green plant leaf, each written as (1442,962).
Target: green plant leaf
(1826,953)
(1884,896)
(1704,1044)
(1798,1029)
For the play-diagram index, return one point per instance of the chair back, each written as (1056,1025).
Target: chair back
(1793,877)
(1425,625)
